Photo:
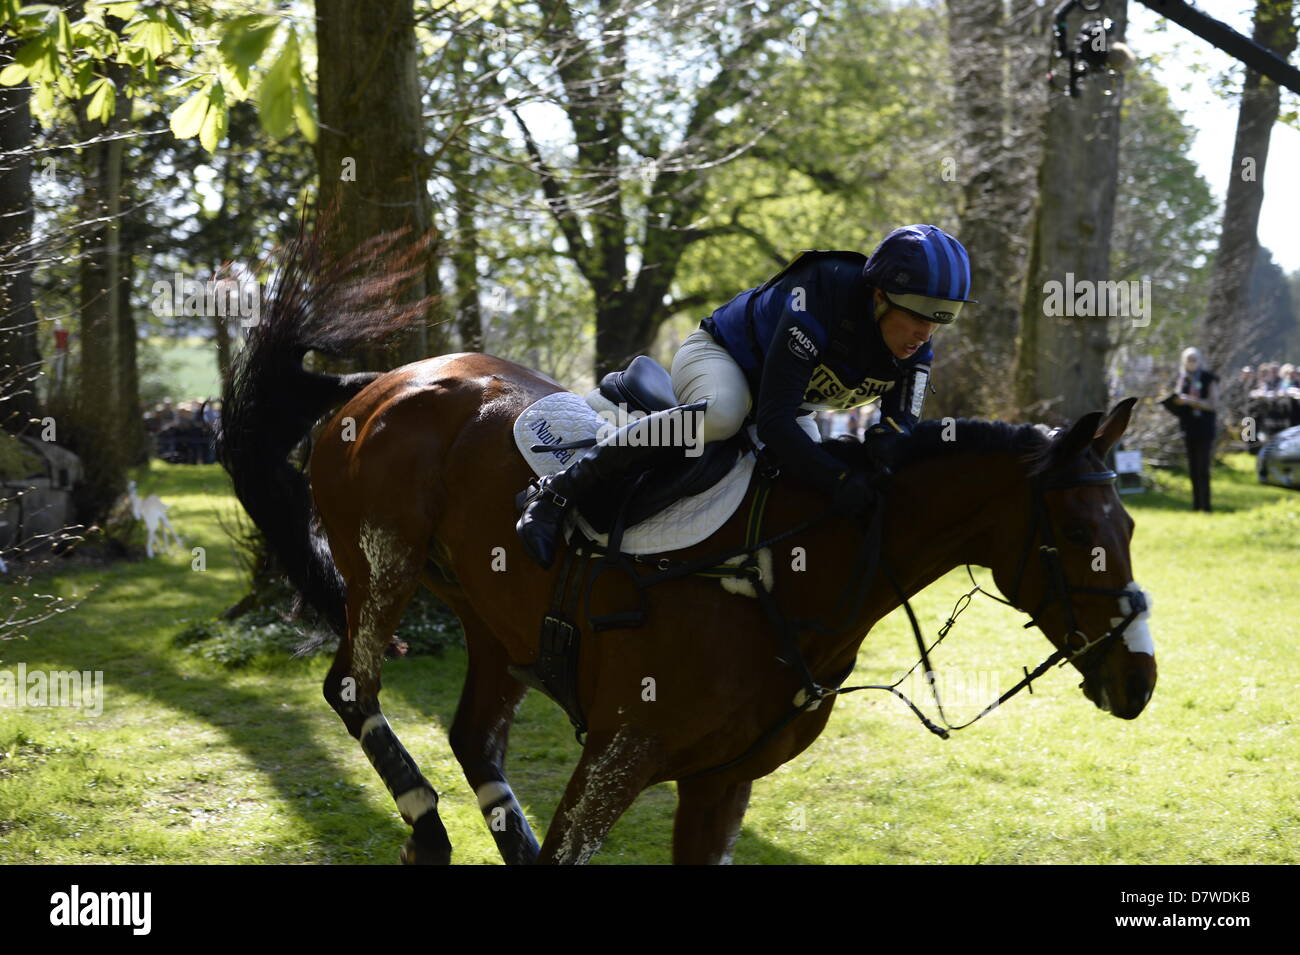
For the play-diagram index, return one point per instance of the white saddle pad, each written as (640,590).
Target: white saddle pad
(564,417)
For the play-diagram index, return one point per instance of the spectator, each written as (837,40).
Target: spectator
(1286,379)
(1196,392)
(1266,385)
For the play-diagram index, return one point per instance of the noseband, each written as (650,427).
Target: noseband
(1060,590)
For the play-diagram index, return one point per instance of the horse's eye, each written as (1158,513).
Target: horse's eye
(1076,535)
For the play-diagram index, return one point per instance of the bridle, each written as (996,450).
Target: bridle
(1059,590)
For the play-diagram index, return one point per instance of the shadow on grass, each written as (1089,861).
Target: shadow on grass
(541,758)
(104,634)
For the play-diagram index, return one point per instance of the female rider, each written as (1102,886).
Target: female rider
(832,330)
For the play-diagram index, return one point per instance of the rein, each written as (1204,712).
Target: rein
(810,696)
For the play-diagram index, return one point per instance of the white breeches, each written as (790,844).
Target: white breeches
(705,371)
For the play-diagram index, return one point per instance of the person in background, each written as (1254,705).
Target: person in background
(1266,385)
(1286,378)
(1196,390)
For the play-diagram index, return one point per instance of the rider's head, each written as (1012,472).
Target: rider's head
(921,277)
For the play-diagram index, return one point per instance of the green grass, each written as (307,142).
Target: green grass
(193,763)
(188,367)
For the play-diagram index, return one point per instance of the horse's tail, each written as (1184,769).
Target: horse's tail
(270,402)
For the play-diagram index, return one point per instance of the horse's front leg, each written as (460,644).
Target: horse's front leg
(611,773)
(707,823)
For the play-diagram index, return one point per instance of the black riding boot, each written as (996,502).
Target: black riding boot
(540,523)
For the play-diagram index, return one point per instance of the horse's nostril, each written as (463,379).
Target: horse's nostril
(1138,689)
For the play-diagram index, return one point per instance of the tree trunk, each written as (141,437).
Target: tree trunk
(134,438)
(99,406)
(18,341)
(997,62)
(465,250)
(370,151)
(1061,364)
(629,308)
(1226,329)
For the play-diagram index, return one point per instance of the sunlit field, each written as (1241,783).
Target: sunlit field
(194,763)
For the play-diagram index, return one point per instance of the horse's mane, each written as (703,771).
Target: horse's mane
(1029,442)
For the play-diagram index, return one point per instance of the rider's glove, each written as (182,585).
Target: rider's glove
(854,495)
(881,444)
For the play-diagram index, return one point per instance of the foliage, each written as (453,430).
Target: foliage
(16,459)
(221,57)
(428,627)
(855,148)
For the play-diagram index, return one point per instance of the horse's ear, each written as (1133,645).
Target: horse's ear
(1113,427)
(1078,437)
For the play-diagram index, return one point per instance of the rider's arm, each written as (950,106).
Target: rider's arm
(792,356)
(903,403)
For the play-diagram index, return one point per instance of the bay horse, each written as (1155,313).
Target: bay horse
(412,480)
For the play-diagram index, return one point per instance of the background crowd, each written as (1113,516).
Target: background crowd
(184,433)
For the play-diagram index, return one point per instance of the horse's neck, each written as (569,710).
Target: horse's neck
(946,512)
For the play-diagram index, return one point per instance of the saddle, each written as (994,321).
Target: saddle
(645,386)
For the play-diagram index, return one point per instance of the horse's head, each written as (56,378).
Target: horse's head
(1072,570)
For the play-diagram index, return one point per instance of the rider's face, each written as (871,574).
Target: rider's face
(904,333)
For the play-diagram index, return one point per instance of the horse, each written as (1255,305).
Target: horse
(411,481)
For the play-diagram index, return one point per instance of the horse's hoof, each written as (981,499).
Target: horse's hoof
(415,854)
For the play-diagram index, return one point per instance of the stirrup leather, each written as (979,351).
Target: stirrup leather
(540,489)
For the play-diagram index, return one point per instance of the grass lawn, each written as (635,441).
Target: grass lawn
(192,763)
(188,365)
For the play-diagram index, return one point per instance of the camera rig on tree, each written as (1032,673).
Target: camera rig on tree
(1096,50)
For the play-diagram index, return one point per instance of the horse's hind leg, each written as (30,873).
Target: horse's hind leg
(376,599)
(610,775)
(479,736)
(708,820)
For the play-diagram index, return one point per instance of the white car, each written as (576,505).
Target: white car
(1279,460)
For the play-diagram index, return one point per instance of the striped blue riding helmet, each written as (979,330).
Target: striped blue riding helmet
(923,270)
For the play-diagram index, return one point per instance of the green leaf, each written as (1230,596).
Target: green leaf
(178,27)
(13,74)
(216,121)
(63,32)
(188,118)
(66,86)
(45,98)
(275,98)
(154,36)
(246,41)
(103,104)
(123,11)
(304,111)
(30,53)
